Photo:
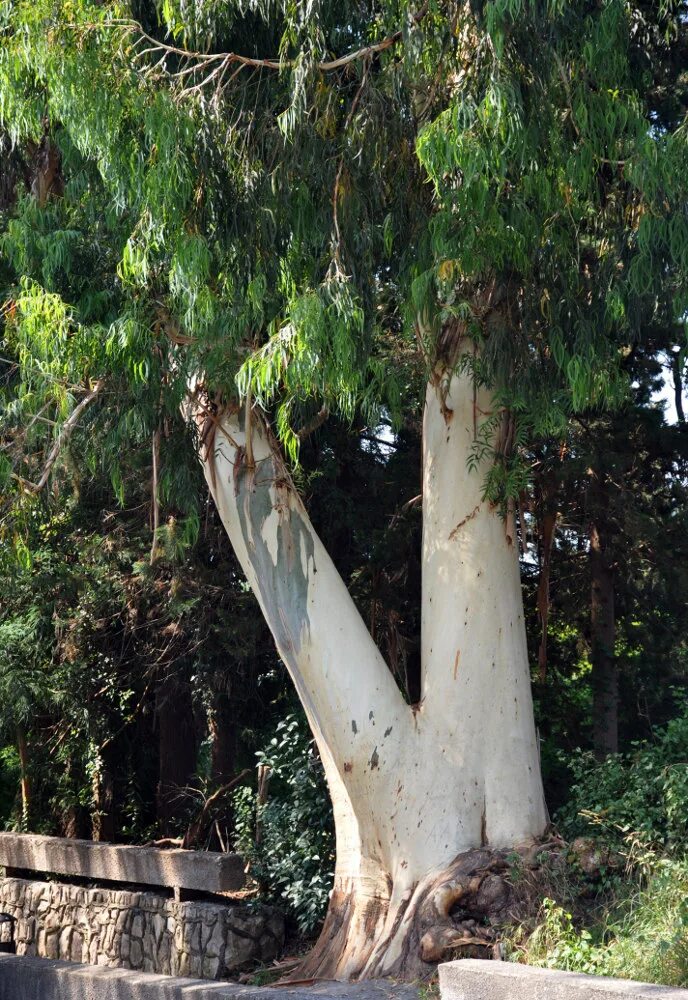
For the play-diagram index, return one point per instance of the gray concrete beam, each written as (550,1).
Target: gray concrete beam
(201,871)
(472,979)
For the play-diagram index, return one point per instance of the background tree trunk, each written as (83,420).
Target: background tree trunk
(103,817)
(223,733)
(605,678)
(177,748)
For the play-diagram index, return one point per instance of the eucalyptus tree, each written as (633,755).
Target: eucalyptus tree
(270,212)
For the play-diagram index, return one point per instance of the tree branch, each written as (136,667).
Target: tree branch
(317,421)
(220,61)
(65,433)
(338,670)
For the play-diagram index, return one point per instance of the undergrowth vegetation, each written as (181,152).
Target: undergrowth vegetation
(643,792)
(617,903)
(638,932)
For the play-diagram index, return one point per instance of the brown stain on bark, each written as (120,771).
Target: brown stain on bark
(459,526)
(456,662)
(373,912)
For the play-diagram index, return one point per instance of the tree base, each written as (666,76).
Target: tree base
(458,913)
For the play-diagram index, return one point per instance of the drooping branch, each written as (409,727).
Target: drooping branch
(214,65)
(340,169)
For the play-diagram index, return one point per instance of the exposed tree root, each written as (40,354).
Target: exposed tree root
(455,913)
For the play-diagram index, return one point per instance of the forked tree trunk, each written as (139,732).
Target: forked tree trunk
(412,786)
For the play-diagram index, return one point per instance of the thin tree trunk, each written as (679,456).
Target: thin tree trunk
(264,773)
(413,787)
(73,818)
(103,815)
(605,679)
(547,531)
(223,733)
(677,360)
(24,780)
(155,495)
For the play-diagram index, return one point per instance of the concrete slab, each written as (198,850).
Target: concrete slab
(472,979)
(201,871)
(24,978)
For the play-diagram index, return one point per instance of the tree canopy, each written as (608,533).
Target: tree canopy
(308,204)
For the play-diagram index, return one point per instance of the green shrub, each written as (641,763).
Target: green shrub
(557,944)
(650,940)
(293,861)
(9,783)
(644,792)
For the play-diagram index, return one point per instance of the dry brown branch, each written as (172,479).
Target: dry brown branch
(192,835)
(317,421)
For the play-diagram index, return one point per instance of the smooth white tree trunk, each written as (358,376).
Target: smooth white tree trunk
(413,787)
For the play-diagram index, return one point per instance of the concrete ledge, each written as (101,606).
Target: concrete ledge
(42,979)
(201,871)
(472,979)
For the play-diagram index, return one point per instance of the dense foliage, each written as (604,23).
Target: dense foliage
(642,793)
(293,856)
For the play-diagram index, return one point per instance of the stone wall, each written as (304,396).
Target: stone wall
(139,930)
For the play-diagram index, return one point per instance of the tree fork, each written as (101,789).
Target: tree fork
(413,788)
